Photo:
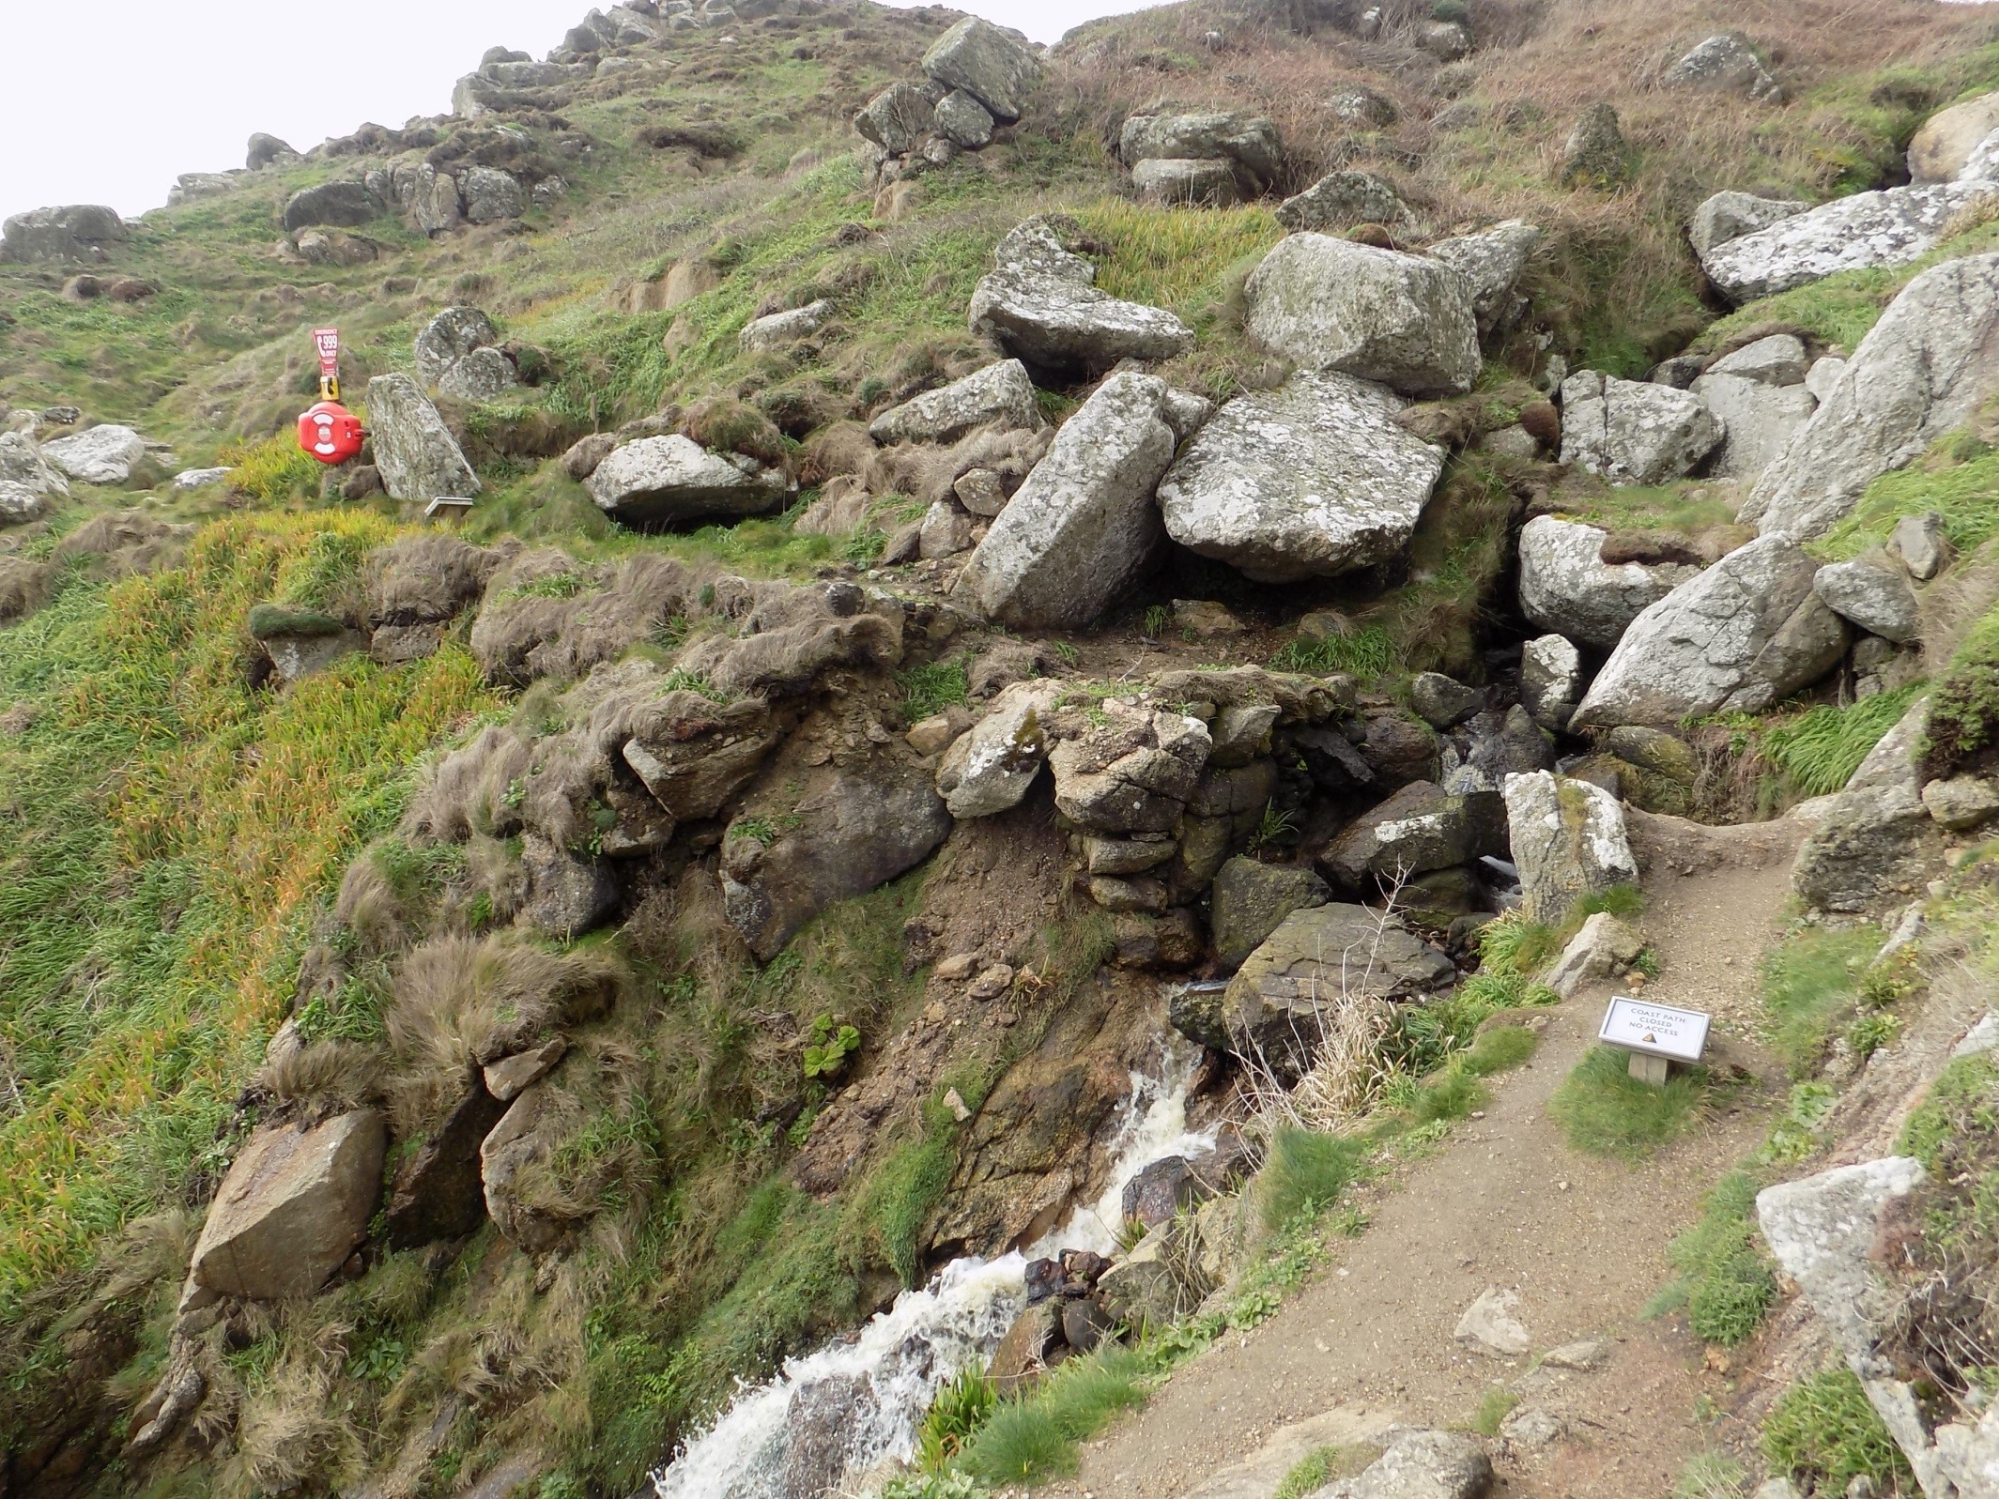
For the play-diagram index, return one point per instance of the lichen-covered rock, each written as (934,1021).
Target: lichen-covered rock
(1719,641)
(1779,359)
(1634,432)
(1134,773)
(660,481)
(1551,680)
(339,205)
(1758,418)
(993,64)
(1877,840)
(1566,587)
(1084,524)
(1596,153)
(1731,215)
(1252,899)
(487,195)
(1342,199)
(990,767)
(1040,305)
(418,457)
(1420,1465)
(1726,63)
(963,121)
(1000,394)
(1312,479)
(898,118)
(1420,828)
(1943,147)
(482,375)
(1248,143)
(1877,599)
(1568,840)
(1922,371)
(777,329)
(1175,179)
(1889,227)
(1604,948)
(75,232)
(97,455)
(1331,304)
(28,481)
(1491,262)
(292,1208)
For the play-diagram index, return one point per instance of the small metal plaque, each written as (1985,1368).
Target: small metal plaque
(1654,1029)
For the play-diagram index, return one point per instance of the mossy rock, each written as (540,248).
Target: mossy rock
(271,621)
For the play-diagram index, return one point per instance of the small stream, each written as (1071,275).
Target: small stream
(838,1413)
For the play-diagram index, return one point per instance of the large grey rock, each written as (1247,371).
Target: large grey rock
(988,768)
(1000,394)
(1725,63)
(1922,372)
(566,895)
(776,329)
(97,455)
(1634,432)
(1604,948)
(1491,262)
(267,151)
(1252,899)
(76,232)
(1565,586)
(1731,215)
(418,457)
(1758,419)
(1312,479)
(488,195)
(1918,542)
(1551,680)
(1319,959)
(292,1208)
(1568,840)
(483,375)
(338,205)
(963,121)
(1248,142)
(1491,1325)
(1943,147)
(1961,803)
(1718,642)
(1420,1465)
(1779,359)
(191,187)
(448,338)
(1442,701)
(1039,304)
(1596,153)
(1136,772)
(993,64)
(1342,199)
(1885,228)
(898,118)
(1877,839)
(1331,304)
(1877,599)
(1175,179)
(1083,525)
(1420,828)
(28,481)
(659,481)
(858,829)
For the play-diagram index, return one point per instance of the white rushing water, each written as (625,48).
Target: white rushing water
(883,1379)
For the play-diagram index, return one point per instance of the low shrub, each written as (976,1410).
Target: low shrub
(1033,1438)
(1822,748)
(1964,708)
(1306,1171)
(1823,1432)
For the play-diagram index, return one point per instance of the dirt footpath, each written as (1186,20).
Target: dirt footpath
(1505,1203)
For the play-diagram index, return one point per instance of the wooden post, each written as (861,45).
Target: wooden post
(1651,1070)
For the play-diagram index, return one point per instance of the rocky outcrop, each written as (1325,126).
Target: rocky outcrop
(1420,1465)
(1596,153)
(994,64)
(1885,228)
(1000,394)
(1921,372)
(1039,304)
(1251,900)
(482,375)
(336,205)
(1634,432)
(1491,262)
(1605,948)
(1745,633)
(1083,525)
(74,233)
(1134,773)
(1245,147)
(1568,840)
(437,1192)
(775,330)
(856,829)
(1330,304)
(1420,828)
(1565,586)
(28,481)
(97,455)
(1342,199)
(292,1208)
(1731,215)
(898,118)
(1877,840)
(1878,600)
(663,481)
(448,338)
(1759,394)
(990,767)
(1551,680)
(418,457)
(1726,63)
(1312,479)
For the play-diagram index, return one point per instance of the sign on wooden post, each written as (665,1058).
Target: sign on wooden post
(1656,1035)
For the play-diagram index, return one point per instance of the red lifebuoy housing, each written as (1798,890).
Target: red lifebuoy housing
(331,433)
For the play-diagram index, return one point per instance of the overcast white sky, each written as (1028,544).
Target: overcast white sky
(111,106)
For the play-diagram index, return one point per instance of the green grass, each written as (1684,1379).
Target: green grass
(1950,1134)
(1514,945)
(1959,480)
(1603,1110)
(1822,1431)
(1367,653)
(964,1405)
(931,688)
(1711,1475)
(1034,1438)
(1811,986)
(1963,718)
(1723,1282)
(1494,1406)
(1309,1474)
(1822,747)
(1306,1172)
